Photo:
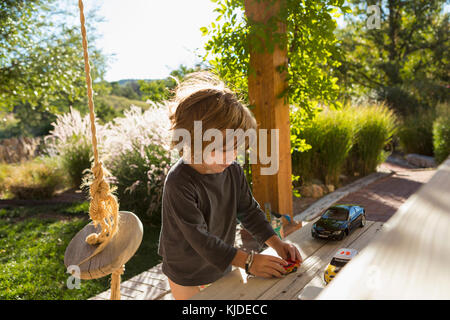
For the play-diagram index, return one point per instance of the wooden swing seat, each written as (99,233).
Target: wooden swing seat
(116,253)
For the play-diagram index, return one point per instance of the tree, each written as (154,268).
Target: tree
(404,61)
(129,89)
(161,89)
(41,61)
(312,47)
(41,64)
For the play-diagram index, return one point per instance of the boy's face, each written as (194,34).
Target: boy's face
(219,160)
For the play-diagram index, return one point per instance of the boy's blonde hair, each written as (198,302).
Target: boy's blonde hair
(203,97)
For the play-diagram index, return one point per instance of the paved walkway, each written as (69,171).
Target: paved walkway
(381,199)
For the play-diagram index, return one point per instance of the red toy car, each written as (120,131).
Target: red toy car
(292,266)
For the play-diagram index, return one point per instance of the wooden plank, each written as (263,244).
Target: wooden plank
(142,284)
(302,238)
(154,273)
(125,294)
(359,244)
(234,285)
(289,287)
(411,257)
(131,290)
(97,298)
(153,277)
(148,281)
(152,293)
(105,295)
(167,296)
(149,275)
(136,286)
(271,112)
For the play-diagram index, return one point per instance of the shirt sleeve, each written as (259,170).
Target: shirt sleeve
(250,214)
(180,205)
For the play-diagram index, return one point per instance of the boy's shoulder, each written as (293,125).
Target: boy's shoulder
(237,166)
(177,174)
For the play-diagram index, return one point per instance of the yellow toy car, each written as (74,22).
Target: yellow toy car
(340,259)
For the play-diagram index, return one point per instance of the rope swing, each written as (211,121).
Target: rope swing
(103,207)
(100,242)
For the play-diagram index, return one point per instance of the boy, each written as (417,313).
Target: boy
(203,200)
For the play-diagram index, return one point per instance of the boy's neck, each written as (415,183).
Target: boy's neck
(205,168)
(200,168)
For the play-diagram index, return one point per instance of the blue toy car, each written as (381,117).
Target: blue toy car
(337,221)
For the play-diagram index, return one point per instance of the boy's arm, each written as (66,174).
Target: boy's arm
(250,214)
(179,205)
(274,242)
(254,220)
(240,258)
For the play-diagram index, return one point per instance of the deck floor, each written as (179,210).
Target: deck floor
(153,284)
(382,199)
(316,256)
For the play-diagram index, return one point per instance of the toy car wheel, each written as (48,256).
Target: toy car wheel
(341,236)
(363,220)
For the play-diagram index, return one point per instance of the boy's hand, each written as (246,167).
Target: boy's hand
(288,251)
(285,250)
(267,266)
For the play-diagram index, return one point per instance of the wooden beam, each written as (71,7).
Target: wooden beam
(271,112)
(316,253)
(410,258)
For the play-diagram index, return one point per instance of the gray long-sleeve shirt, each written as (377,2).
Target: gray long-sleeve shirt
(199,213)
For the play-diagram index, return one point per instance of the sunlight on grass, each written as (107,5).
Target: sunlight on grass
(32,253)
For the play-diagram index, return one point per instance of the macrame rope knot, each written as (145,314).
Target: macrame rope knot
(103,207)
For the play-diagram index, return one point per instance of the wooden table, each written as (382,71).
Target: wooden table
(411,260)
(316,256)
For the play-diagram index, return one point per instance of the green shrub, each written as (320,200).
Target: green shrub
(134,150)
(441,138)
(141,172)
(70,141)
(336,130)
(10,126)
(416,132)
(4,173)
(330,135)
(35,179)
(400,99)
(109,107)
(374,127)
(75,158)
(303,162)
(352,138)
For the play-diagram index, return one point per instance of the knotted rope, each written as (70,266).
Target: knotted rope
(115,283)
(103,208)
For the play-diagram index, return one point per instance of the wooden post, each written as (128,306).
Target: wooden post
(271,112)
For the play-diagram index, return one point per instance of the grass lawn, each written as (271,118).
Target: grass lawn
(32,245)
